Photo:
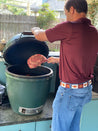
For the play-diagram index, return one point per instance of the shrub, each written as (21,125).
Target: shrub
(46,17)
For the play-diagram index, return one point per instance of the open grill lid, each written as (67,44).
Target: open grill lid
(21,47)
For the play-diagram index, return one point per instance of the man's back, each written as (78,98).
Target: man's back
(78,55)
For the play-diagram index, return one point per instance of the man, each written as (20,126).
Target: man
(78,52)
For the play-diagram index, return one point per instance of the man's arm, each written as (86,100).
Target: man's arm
(39,34)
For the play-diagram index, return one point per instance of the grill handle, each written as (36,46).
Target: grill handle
(27,33)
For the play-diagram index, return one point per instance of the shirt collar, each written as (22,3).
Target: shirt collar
(82,20)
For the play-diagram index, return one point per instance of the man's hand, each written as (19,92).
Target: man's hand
(34,29)
(53,60)
(39,34)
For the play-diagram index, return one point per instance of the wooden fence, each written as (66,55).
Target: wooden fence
(11,25)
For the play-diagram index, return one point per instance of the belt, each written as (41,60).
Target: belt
(76,86)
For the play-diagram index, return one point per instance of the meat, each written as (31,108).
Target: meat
(36,60)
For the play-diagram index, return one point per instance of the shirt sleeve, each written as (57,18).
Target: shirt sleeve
(59,32)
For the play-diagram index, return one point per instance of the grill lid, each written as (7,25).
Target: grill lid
(21,47)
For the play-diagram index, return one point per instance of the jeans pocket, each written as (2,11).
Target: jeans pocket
(78,101)
(59,97)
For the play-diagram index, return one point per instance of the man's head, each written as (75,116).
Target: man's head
(75,8)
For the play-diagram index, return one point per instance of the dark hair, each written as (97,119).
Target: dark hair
(79,5)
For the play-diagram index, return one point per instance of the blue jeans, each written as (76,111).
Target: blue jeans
(67,108)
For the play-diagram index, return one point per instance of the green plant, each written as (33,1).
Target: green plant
(93,10)
(16,10)
(10,5)
(46,17)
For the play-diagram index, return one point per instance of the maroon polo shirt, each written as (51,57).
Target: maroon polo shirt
(78,49)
